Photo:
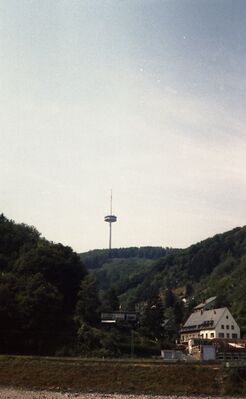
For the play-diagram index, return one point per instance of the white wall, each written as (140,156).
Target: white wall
(230,326)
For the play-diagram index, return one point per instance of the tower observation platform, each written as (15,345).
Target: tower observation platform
(110,219)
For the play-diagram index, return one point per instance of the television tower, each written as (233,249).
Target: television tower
(110,219)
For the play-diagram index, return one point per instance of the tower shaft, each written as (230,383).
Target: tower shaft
(110,219)
(110,235)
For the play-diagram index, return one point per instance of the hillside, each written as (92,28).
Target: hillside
(39,287)
(123,269)
(96,258)
(50,304)
(215,266)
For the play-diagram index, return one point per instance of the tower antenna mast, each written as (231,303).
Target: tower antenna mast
(111,202)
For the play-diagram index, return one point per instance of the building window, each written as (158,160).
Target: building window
(227,327)
(222,326)
(227,317)
(227,335)
(232,327)
(206,335)
(211,335)
(221,335)
(234,335)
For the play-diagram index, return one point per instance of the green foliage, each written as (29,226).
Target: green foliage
(169,298)
(216,266)
(112,300)
(152,319)
(213,267)
(98,257)
(39,284)
(15,238)
(88,338)
(122,274)
(59,265)
(49,304)
(88,305)
(97,342)
(41,313)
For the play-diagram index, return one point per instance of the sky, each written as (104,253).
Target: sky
(144,97)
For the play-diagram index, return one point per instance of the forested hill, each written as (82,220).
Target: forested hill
(96,258)
(215,266)
(39,286)
(50,304)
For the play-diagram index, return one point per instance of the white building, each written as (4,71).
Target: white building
(210,324)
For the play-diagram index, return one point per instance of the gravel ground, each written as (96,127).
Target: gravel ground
(11,393)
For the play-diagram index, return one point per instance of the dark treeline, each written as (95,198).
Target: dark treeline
(96,258)
(39,286)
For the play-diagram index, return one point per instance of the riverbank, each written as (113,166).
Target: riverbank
(119,376)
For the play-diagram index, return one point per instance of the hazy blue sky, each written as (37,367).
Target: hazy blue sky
(146,97)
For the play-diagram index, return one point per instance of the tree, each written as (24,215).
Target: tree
(188,290)
(152,319)
(42,315)
(112,299)
(88,305)
(178,312)
(59,266)
(169,298)
(14,237)
(9,314)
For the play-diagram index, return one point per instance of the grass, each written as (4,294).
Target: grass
(86,375)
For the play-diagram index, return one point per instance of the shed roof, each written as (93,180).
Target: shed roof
(205,303)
